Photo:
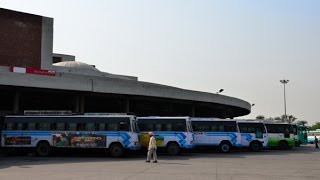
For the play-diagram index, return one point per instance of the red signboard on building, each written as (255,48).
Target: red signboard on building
(32,71)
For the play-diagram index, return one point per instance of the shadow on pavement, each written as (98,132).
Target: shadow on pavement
(22,160)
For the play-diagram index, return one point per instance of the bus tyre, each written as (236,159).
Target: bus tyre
(116,150)
(43,149)
(283,145)
(298,143)
(173,148)
(254,146)
(224,147)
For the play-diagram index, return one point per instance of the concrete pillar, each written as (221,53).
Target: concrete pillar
(193,110)
(16,103)
(82,104)
(76,108)
(127,105)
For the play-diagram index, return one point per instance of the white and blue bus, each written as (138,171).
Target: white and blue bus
(222,133)
(312,134)
(253,134)
(44,131)
(171,133)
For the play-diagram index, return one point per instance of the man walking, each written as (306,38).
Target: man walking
(316,141)
(152,148)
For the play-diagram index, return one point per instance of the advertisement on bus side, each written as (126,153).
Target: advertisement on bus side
(18,140)
(146,137)
(79,140)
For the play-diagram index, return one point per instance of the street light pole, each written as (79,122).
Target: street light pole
(284,82)
(220,91)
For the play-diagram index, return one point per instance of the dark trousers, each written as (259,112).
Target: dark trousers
(317,145)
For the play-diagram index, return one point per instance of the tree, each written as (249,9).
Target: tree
(270,119)
(302,123)
(278,118)
(260,117)
(315,126)
(290,119)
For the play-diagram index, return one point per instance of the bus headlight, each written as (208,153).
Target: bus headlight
(136,143)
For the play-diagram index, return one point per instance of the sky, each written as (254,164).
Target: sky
(244,47)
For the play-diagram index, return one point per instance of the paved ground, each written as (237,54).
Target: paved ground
(295,164)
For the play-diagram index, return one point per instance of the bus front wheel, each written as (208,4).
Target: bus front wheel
(173,148)
(116,150)
(43,149)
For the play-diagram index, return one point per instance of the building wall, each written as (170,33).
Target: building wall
(20,39)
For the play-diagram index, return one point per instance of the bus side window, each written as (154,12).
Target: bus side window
(9,126)
(229,128)
(168,127)
(102,127)
(71,126)
(123,126)
(149,127)
(90,127)
(21,126)
(244,130)
(113,127)
(61,126)
(44,126)
(179,127)
(31,126)
(214,128)
(251,130)
(220,128)
(158,127)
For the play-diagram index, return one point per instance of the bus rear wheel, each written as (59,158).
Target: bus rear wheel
(173,148)
(116,150)
(224,147)
(43,149)
(254,146)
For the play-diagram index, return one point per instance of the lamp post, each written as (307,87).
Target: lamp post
(284,82)
(220,91)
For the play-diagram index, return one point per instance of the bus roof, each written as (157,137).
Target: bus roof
(210,119)
(70,116)
(250,121)
(160,117)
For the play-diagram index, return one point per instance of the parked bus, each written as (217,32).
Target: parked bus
(222,133)
(312,134)
(44,131)
(300,134)
(253,134)
(280,135)
(171,133)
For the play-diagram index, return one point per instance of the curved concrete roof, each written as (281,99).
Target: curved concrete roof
(68,81)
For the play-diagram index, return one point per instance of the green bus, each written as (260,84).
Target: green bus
(301,135)
(280,135)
